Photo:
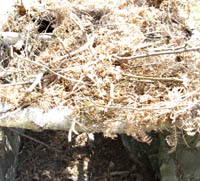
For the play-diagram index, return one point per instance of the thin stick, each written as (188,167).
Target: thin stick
(37,141)
(47,68)
(82,48)
(36,82)
(112,174)
(52,71)
(167,79)
(157,53)
(14,84)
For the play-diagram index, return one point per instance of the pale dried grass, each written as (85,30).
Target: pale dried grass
(85,74)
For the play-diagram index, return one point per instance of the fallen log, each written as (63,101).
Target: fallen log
(58,118)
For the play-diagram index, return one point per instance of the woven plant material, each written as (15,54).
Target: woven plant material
(130,63)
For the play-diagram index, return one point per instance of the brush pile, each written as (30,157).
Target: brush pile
(130,62)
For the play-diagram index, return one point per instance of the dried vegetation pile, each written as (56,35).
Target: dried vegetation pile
(111,62)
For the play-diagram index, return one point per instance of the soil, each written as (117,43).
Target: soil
(101,159)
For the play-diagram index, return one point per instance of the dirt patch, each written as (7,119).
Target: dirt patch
(104,159)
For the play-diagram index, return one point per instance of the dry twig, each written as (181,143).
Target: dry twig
(165,79)
(37,141)
(157,53)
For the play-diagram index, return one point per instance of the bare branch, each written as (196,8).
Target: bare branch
(37,141)
(158,53)
(167,79)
